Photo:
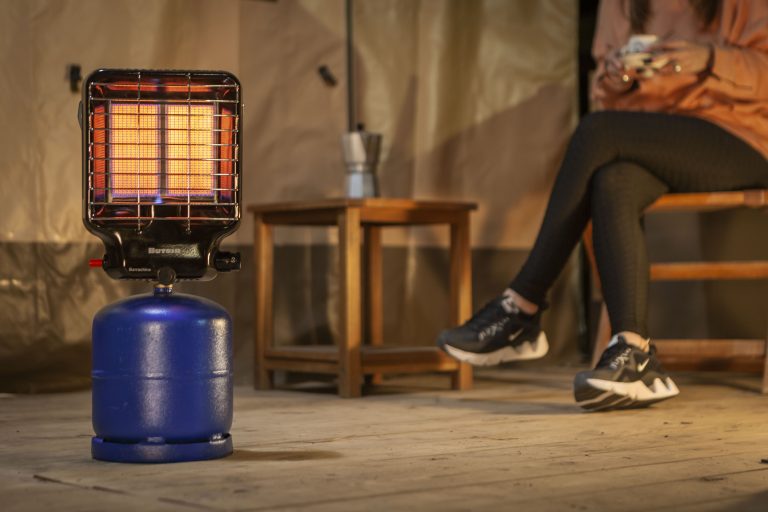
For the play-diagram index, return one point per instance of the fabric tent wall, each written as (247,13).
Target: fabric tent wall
(475,99)
(47,296)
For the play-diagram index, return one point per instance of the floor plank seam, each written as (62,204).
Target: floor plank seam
(100,488)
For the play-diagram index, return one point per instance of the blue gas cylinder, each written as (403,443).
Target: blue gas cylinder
(162,379)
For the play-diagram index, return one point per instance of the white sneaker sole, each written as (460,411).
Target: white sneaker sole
(524,352)
(628,394)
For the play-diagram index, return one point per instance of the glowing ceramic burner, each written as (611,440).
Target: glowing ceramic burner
(134,151)
(162,170)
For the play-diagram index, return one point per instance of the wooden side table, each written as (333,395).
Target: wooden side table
(351,360)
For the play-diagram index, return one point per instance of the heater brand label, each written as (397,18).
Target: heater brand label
(164,250)
(174,251)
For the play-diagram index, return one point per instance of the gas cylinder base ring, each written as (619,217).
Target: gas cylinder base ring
(149,452)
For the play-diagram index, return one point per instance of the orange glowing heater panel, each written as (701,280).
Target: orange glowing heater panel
(161,169)
(99,153)
(134,151)
(190,145)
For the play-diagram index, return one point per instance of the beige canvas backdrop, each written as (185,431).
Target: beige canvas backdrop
(475,100)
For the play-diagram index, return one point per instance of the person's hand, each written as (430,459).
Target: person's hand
(684,56)
(619,76)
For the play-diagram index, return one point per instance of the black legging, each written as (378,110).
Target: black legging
(617,163)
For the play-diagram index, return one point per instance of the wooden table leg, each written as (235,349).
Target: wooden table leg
(765,370)
(263,275)
(374,300)
(350,311)
(461,289)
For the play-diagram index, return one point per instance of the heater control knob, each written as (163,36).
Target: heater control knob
(226,261)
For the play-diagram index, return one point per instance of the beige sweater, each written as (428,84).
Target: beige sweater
(734,96)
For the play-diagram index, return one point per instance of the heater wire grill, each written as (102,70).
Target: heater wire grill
(168,152)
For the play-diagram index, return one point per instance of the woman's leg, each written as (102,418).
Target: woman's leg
(683,152)
(620,192)
(628,373)
(687,153)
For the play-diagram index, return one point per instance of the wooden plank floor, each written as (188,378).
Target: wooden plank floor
(515,442)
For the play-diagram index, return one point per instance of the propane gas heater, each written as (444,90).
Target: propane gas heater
(161,188)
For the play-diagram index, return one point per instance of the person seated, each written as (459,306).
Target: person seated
(682,108)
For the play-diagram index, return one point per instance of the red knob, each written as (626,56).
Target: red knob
(94,263)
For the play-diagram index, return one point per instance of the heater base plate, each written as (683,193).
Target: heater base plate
(146,452)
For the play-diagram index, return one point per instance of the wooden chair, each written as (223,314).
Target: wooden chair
(698,353)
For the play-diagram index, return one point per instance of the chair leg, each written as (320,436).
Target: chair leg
(603,335)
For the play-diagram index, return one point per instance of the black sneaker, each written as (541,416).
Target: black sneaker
(625,377)
(497,333)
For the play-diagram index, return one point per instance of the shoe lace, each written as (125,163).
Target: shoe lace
(491,312)
(613,355)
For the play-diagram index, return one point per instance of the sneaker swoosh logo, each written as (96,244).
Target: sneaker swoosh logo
(641,366)
(513,336)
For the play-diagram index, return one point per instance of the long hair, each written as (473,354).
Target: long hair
(640,12)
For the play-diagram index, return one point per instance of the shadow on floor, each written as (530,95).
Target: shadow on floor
(756,502)
(288,455)
(517,407)
(738,381)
